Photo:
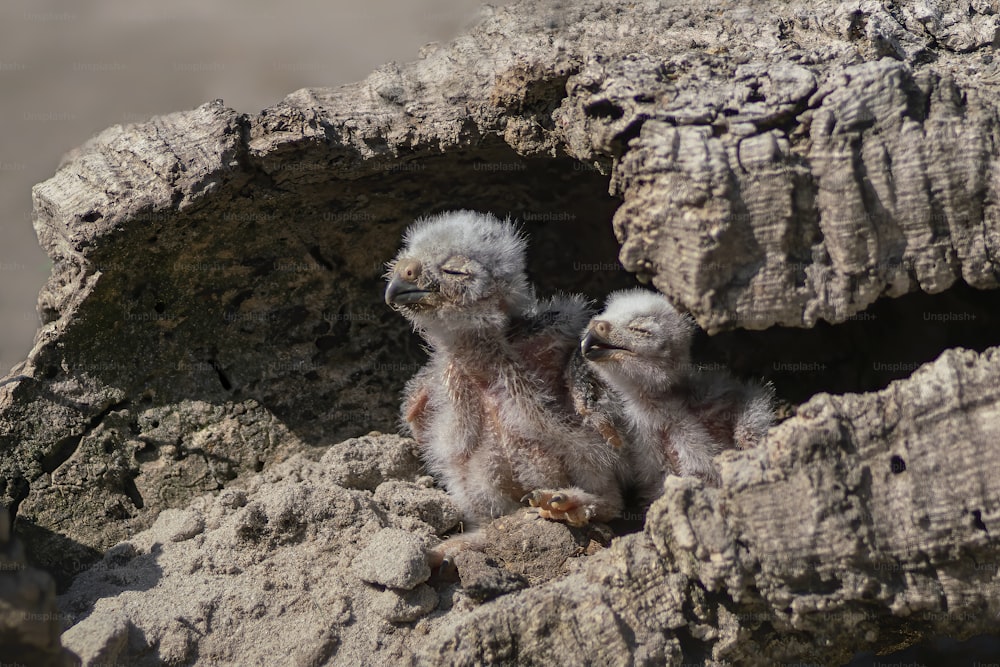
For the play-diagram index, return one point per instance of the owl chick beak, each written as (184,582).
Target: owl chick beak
(403,289)
(595,345)
(402,292)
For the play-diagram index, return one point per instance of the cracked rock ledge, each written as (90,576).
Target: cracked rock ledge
(816,183)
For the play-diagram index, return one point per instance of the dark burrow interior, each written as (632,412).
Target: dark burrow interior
(887,341)
(572,248)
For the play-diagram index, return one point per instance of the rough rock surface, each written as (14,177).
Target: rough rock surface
(215,300)
(394,558)
(295,565)
(483,579)
(215,308)
(825,532)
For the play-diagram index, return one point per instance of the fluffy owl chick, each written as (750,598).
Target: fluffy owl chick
(679,417)
(487,410)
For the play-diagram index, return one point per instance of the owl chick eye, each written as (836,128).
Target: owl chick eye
(640,331)
(452,272)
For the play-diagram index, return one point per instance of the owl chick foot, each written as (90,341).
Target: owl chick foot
(442,557)
(575,508)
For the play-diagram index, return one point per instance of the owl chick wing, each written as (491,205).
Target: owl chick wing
(547,343)
(596,404)
(740,412)
(416,412)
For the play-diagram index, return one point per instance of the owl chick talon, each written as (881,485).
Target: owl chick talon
(442,557)
(559,506)
(576,517)
(537,498)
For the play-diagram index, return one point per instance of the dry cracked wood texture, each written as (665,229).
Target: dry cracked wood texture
(815,182)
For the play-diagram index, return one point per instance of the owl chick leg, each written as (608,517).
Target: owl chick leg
(694,448)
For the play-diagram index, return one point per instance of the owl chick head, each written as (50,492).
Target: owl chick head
(459,271)
(639,341)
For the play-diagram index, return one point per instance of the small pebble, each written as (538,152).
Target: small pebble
(394,558)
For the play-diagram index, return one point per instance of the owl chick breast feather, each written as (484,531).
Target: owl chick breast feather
(491,410)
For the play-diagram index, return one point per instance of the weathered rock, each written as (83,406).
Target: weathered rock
(180,525)
(367,462)
(404,606)
(534,548)
(214,308)
(430,505)
(100,639)
(239,256)
(483,579)
(235,578)
(717,573)
(293,564)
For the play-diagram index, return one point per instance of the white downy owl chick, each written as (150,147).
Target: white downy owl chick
(489,410)
(679,417)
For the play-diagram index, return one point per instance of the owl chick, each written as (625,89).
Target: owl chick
(489,410)
(678,417)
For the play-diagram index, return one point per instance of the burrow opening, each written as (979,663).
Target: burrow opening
(282,295)
(276,295)
(888,341)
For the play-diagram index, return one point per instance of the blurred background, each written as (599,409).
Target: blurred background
(70,68)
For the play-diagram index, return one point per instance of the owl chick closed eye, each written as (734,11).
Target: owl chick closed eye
(679,417)
(488,410)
